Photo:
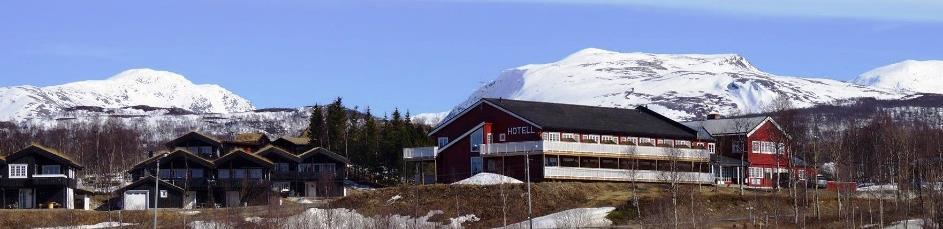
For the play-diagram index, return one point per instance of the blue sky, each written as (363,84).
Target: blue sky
(426,56)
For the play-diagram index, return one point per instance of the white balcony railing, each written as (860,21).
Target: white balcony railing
(420,153)
(575,173)
(537,147)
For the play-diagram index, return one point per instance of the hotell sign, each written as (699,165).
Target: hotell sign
(521,130)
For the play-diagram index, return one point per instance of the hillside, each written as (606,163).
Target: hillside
(909,75)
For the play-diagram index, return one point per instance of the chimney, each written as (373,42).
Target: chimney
(713,116)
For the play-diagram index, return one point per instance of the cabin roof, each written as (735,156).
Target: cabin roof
(275,150)
(146,179)
(176,153)
(195,135)
(242,154)
(326,152)
(296,140)
(47,152)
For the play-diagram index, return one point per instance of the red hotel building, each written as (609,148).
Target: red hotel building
(563,142)
(759,141)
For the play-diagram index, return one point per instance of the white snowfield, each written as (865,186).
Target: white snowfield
(908,75)
(488,179)
(345,218)
(913,224)
(680,86)
(129,88)
(573,218)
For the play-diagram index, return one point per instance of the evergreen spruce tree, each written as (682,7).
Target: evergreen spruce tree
(336,125)
(316,126)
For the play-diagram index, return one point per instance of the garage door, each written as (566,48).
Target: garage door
(135,200)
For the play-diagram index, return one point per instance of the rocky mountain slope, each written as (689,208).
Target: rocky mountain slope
(681,86)
(129,88)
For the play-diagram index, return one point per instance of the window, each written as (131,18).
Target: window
(609,163)
(502,137)
(239,173)
(163,193)
(17,170)
(325,167)
(281,167)
(306,168)
(645,141)
(552,136)
(610,139)
(711,147)
(443,141)
(51,169)
(224,174)
(664,142)
(476,165)
(568,161)
(570,137)
(196,173)
(489,139)
(180,173)
(737,146)
(627,140)
(755,172)
(255,173)
(475,140)
(206,150)
(166,174)
(551,161)
(682,143)
(591,138)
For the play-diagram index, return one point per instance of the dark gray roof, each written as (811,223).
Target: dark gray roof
(602,120)
(702,134)
(717,159)
(728,125)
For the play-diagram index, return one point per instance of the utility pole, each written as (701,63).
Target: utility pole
(156,190)
(530,219)
(157,187)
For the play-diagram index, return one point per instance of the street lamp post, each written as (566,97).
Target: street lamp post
(157,187)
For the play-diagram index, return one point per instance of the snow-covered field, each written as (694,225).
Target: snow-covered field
(488,179)
(912,224)
(573,218)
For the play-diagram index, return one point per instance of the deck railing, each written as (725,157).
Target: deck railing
(420,153)
(576,173)
(538,147)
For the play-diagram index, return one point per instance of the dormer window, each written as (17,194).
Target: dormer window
(18,170)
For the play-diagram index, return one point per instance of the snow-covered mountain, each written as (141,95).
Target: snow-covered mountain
(133,87)
(680,86)
(909,75)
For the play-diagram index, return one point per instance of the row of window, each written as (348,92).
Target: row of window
(20,170)
(622,140)
(628,164)
(245,173)
(766,147)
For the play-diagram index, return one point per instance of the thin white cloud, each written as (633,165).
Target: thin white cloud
(891,10)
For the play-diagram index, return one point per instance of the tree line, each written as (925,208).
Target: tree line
(374,145)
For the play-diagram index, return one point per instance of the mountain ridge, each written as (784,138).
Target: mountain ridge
(128,88)
(680,86)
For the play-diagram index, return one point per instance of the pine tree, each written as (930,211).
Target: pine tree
(336,125)
(316,126)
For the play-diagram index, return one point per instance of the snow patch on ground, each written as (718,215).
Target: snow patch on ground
(912,224)
(488,179)
(393,199)
(357,186)
(209,225)
(93,226)
(190,213)
(573,218)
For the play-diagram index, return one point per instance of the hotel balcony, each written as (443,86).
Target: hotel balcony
(420,153)
(593,149)
(576,173)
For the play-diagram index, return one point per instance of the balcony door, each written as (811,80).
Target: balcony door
(27,198)
(311,189)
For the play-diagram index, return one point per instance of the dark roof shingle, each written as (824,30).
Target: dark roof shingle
(602,120)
